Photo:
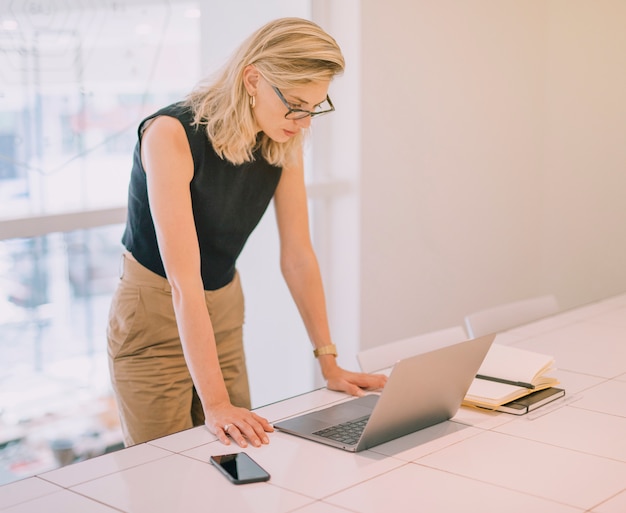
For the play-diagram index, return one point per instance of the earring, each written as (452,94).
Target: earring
(252,101)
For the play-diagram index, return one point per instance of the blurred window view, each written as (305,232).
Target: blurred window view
(76,77)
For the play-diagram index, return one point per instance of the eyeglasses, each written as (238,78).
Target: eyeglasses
(323,108)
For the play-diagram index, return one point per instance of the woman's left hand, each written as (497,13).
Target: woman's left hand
(354,383)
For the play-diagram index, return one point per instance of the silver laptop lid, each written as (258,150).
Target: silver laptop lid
(424,390)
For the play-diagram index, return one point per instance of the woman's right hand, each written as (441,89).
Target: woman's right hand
(243,426)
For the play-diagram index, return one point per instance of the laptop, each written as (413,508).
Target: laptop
(421,391)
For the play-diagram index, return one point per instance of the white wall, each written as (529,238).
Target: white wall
(337,163)
(478,151)
(493,157)
(584,176)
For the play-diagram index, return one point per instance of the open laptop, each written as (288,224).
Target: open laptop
(421,391)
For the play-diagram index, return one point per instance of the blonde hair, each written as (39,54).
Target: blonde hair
(288,52)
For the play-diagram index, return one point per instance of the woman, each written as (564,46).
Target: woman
(203,174)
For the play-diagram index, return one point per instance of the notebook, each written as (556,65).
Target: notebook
(421,391)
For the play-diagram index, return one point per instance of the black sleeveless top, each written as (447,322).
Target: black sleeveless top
(228,202)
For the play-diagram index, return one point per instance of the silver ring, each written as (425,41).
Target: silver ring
(227,427)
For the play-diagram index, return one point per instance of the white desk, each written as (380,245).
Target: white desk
(564,458)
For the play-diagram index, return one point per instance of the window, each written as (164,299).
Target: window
(75,79)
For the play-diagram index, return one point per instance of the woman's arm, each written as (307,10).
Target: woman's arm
(167,159)
(301,272)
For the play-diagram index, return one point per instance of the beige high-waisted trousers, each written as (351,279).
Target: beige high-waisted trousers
(154,391)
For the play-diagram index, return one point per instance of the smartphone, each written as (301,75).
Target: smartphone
(240,468)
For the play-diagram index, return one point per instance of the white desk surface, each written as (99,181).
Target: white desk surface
(566,457)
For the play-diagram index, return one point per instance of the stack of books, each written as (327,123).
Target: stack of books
(514,381)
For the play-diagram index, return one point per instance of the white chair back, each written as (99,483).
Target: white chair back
(509,315)
(385,355)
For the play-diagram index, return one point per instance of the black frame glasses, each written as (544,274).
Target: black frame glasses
(301,113)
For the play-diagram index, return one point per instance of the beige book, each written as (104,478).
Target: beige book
(508,373)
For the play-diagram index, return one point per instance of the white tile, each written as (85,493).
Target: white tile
(24,490)
(302,403)
(63,501)
(177,484)
(429,490)
(183,440)
(426,441)
(615,317)
(607,397)
(575,382)
(538,469)
(297,464)
(574,428)
(103,465)
(323,507)
(615,504)
(585,347)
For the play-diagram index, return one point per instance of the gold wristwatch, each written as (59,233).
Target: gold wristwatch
(329,349)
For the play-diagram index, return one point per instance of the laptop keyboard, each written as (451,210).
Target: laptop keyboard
(346,432)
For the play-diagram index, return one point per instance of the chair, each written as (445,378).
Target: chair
(385,355)
(509,315)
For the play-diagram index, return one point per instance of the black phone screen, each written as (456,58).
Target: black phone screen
(240,468)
